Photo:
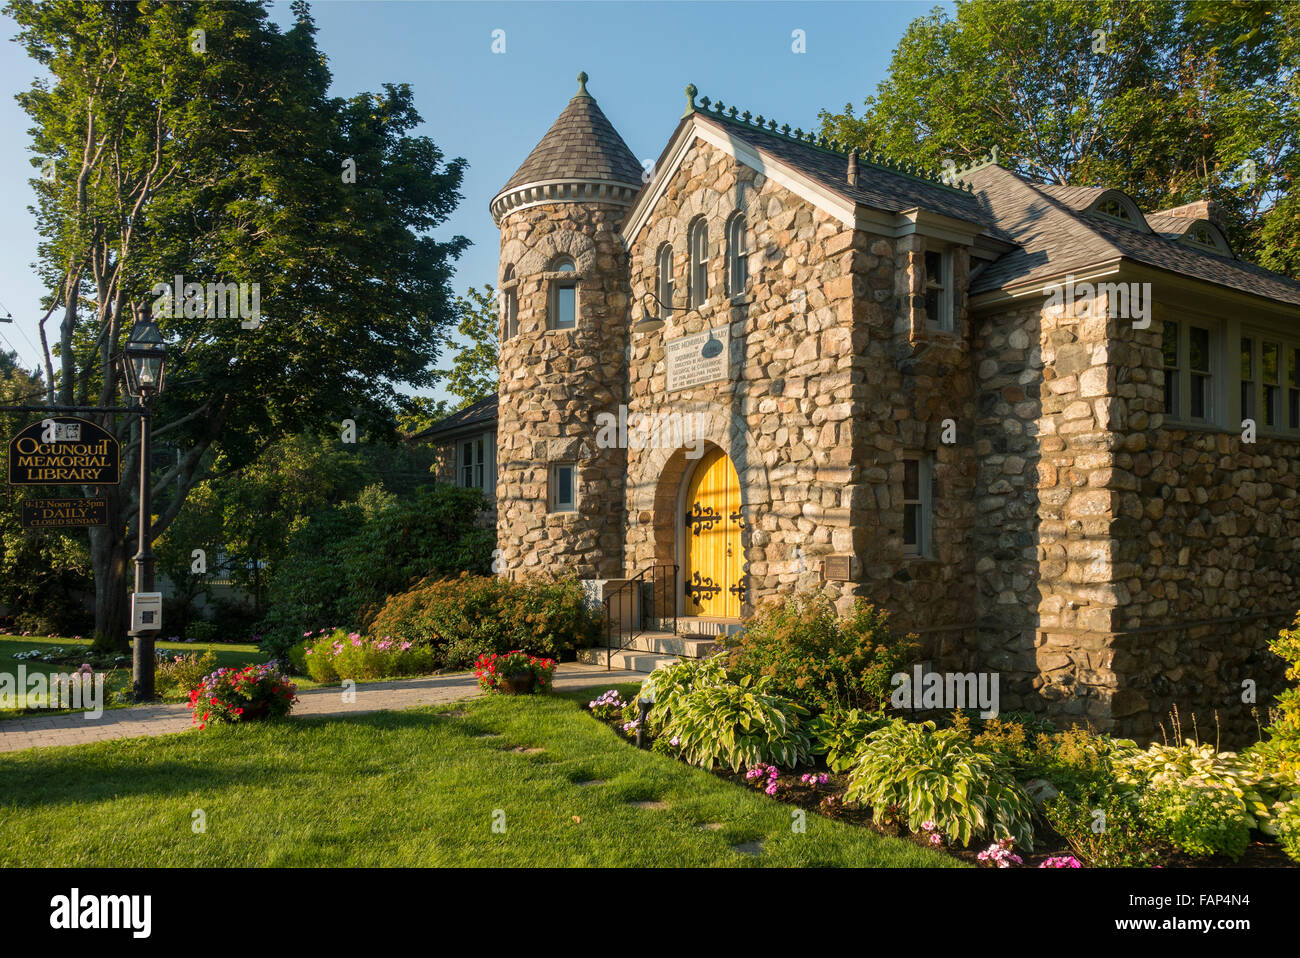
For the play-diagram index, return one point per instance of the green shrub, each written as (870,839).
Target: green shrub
(176,676)
(465,617)
(342,655)
(670,681)
(1104,827)
(1287,816)
(818,658)
(840,736)
(345,559)
(928,775)
(737,725)
(1247,783)
(202,631)
(1197,821)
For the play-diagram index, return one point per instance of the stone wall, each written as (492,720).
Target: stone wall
(554,384)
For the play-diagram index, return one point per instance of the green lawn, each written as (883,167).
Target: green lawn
(227,655)
(420,787)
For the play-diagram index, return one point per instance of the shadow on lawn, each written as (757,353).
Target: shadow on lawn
(176,765)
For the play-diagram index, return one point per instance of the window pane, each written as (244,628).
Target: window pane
(911,517)
(933,269)
(564,486)
(1200,395)
(564,266)
(1199,349)
(911,480)
(1269,355)
(1170,346)
(566,299)
(1295,408)
(932,305)
(1247,359)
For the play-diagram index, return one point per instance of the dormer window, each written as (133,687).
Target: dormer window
(564,296)
(1114,209)
(737,255)
(664,279)
(697,246)
(938,289)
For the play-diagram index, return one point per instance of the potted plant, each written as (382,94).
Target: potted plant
(513,673)
(242,695)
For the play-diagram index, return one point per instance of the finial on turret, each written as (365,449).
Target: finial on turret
(690,99)
(582,84)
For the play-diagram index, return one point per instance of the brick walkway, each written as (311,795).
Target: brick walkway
(42,731)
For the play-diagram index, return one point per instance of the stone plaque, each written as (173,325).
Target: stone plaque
(698,359)
(839,569)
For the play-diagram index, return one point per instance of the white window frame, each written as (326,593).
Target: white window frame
(923,547)
(697,252)
(1183,372)
(664,274)
(945,321)
(480,463)
(553,493)
(737,255)
(564,265)
(1288,347)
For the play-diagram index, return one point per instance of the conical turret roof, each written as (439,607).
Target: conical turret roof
(580,145)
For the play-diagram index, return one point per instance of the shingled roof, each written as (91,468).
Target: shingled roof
(580,145)
(481,414)
(1055,238)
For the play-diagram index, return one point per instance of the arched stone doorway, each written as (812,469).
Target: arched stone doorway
(714,573)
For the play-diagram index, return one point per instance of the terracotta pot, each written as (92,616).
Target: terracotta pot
(256,711)
(521,683)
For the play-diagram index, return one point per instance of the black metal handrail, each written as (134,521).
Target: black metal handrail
(662,606)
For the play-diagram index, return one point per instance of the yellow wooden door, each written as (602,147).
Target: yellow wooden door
(714,561)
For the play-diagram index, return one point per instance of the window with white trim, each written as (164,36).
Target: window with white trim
(697,247)
(664,279)
(1293,387)
(564,297)
(477,463)
(1189,364)
(918,503)
(938,289)
(737,255)
(1248,383)
(564,487)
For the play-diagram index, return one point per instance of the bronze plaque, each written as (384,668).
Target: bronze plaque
(839,568)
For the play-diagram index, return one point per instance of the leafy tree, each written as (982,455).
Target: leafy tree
(473,373)
(43,574)
(226,161)
(1171,102)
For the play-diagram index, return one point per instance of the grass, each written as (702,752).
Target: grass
(414,788)
(228,654)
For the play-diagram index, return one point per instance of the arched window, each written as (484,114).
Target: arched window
(697,246)
(664,280)
(737,255)
(564,296)
(510,303)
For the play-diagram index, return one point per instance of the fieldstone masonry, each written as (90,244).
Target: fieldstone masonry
(1106,567)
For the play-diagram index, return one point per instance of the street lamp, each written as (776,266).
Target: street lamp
(145,365)
(649,321)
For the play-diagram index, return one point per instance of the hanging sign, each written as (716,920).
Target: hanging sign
(64,451)
(64,513)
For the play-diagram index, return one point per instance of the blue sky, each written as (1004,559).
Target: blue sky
(492,108)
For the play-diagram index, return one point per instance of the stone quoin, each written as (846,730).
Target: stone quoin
(914,404)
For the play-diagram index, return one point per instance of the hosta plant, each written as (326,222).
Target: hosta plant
(673,679)
(738,725)
(840,735)
(1197,821)
(941,777)
(1254,785)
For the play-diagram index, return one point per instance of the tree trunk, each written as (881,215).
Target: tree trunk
(110,560)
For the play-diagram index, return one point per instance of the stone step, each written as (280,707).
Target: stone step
(665,643)
(696,625)
(630,660)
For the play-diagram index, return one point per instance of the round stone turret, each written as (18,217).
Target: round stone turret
(564,334)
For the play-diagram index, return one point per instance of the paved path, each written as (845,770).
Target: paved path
(45,730)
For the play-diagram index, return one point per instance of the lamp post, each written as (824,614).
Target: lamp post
(145,365)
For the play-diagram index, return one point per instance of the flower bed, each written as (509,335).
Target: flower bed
(333,655)
(242,695)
